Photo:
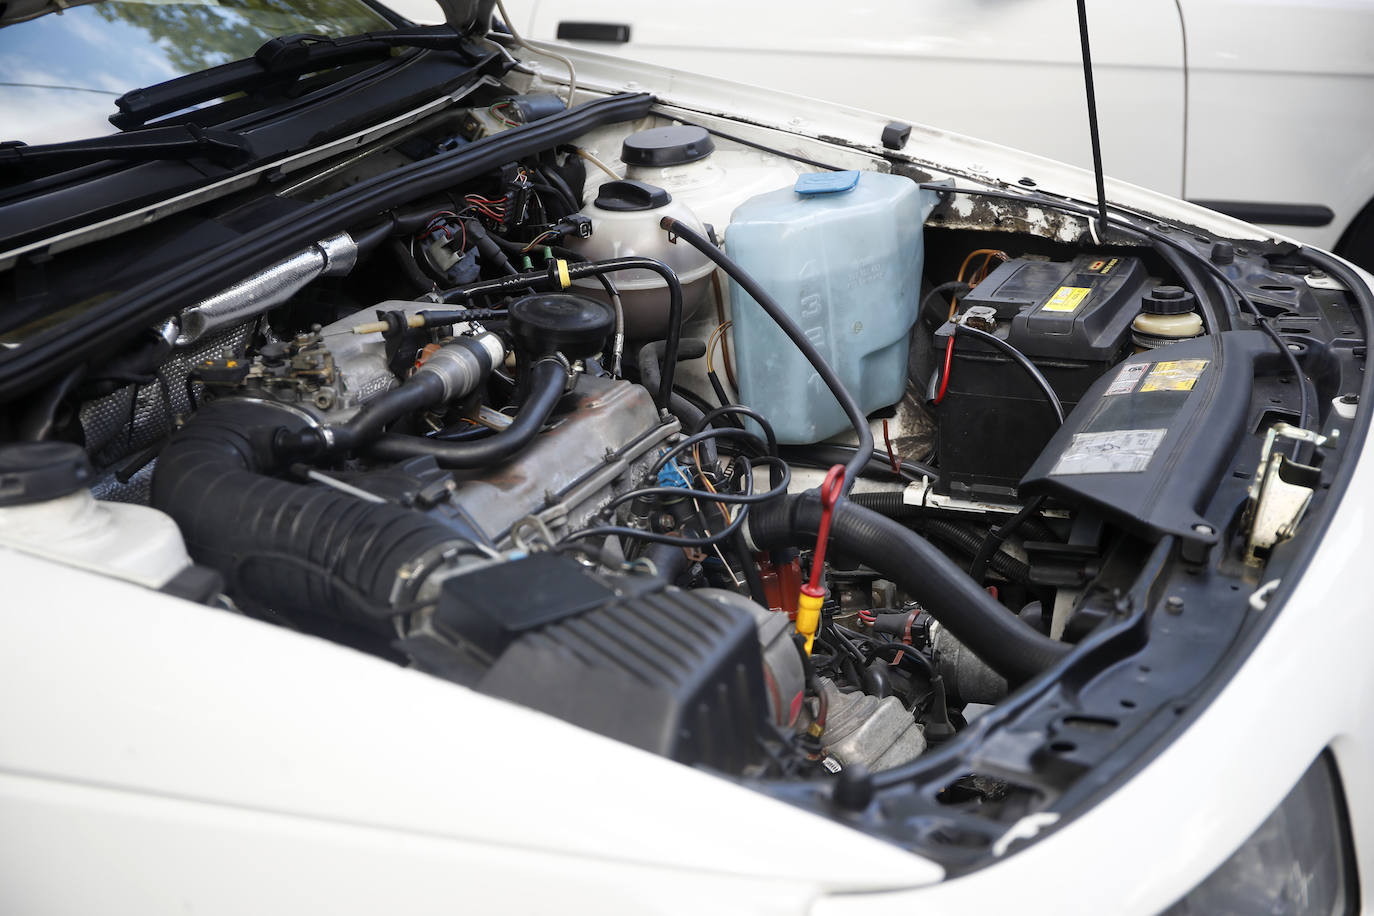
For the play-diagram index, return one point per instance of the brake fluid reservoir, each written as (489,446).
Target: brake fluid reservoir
(1166,316)
(47,510)
(842,253)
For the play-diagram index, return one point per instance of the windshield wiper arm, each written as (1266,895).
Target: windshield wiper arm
(182,141)
(276,64)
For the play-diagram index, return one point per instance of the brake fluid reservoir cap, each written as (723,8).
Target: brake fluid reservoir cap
(1167,300)
(34,472)
(575,326)
(661,147)
(826,182)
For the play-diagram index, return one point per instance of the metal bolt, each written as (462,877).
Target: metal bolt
(1205,530)
(1174,604)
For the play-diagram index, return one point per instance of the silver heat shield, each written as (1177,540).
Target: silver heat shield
(329,257)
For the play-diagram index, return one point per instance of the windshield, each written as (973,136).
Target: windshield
(60,74)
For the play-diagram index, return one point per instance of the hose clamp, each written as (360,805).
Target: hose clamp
(562,360)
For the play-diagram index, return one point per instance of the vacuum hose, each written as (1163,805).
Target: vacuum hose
(975,618)
(547,380)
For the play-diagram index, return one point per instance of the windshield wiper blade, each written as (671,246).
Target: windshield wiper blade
(275,65)
(183,141)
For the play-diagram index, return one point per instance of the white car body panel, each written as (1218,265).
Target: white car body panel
(1282,105)
(226,746)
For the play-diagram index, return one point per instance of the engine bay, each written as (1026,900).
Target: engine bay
(903,497)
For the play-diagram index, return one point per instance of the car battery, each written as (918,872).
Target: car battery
(1072,319)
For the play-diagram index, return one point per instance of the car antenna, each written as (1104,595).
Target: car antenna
(1092,117)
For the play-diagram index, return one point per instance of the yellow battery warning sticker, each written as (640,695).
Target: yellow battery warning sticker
(1178,375)
(1066,299)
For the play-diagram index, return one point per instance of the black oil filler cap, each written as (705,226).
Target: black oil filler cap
(576,326)
(664,146)
(33,472)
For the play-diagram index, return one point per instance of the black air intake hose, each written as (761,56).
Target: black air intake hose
(292,548)
(995,634)
(547,379)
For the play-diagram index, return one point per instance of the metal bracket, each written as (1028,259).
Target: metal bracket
(1280,491)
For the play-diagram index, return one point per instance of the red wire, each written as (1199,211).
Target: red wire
(944,376)
(891,455)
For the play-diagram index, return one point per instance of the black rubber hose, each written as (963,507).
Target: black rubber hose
(891,505)
(651,377)
(958,287)
(886,503)
(749,569)
(547,379)
(975,618)
(854,467)
(333,547)
(999,533)
(669,562)
(426,388)
(488,248)
(673,340)
(1004,564)
(417,278)
(419,392)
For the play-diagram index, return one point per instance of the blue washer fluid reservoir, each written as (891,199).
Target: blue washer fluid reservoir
(842,253)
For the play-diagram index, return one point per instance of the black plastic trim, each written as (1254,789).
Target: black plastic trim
(610,32)
(1253,211)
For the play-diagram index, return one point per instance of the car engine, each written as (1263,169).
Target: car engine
(779,466)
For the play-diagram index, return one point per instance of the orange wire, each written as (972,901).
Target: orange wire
(980,274)
(696,459)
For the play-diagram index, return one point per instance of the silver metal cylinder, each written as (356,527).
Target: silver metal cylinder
(460,365)
(330,257)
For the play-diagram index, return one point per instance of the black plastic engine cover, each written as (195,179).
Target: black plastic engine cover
(668,672)
(1148,443)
